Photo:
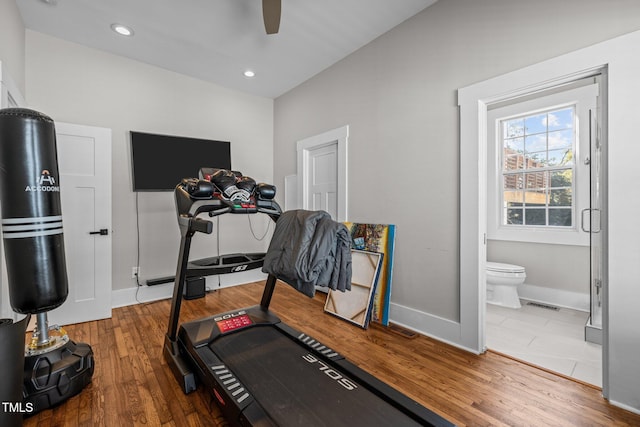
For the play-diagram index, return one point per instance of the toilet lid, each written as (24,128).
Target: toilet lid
(504,268)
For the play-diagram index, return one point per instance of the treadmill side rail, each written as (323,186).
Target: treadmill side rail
(234,399)
(180,368)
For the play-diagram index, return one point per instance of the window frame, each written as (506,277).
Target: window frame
(503,173)
(583,99)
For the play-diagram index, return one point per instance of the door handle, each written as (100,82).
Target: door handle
(101,232)
(582,223)
(594,219)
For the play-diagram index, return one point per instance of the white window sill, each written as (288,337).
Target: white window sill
(570,236)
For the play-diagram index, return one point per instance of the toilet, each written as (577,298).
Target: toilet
(502,284)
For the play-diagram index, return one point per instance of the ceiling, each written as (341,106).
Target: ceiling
(217,40)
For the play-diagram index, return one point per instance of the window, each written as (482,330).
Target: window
(538,182)
(538,169)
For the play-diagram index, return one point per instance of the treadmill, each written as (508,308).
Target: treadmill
(261,371)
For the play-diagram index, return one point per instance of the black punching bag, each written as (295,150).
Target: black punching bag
(31,211)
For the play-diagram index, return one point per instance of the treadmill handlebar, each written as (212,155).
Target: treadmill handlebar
(194,197)
(201,225)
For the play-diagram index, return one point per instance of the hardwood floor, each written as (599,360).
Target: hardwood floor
(132,385)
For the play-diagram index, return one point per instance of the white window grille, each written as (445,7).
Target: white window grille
(538,169)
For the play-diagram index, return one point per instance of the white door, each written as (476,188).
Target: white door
(322,179)
(322,172)
(84,161)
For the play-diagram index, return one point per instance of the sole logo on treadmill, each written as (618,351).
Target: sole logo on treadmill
(229,316)
(330,372)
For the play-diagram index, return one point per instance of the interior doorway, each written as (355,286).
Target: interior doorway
(546,210)
(84,157)
(322,172)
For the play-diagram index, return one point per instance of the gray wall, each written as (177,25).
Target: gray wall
(12,42)
(72,83)
(559,267)
(398,95)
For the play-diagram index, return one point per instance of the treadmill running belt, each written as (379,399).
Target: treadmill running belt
(296,388)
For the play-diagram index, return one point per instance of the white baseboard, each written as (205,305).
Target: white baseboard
(559,298)
(625,407)
(427,324)
(449,331)
(144,294)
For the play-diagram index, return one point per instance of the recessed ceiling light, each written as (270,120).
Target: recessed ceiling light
(122,29)
(249,74)
(51,2)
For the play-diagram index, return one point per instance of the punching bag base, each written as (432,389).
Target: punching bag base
(53,377)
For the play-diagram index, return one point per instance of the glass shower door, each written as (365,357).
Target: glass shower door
(596,219)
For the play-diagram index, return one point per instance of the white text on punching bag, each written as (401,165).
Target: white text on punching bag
(45,177)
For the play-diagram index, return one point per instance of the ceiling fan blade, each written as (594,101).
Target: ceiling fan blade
(271,10)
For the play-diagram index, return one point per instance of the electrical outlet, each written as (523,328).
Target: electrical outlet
(134,272)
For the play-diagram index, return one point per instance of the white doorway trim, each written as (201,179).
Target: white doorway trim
(474,101)
(10,97)
(620,334)
(304,146)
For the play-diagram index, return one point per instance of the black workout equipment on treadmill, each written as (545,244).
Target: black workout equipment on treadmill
(261,371)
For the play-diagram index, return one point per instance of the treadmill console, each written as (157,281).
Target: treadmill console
(244,207)
(232,321)
(219,191)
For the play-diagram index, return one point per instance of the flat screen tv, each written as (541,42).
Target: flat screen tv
(161,161)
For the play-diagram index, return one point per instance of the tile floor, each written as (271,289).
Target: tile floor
(551,339)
